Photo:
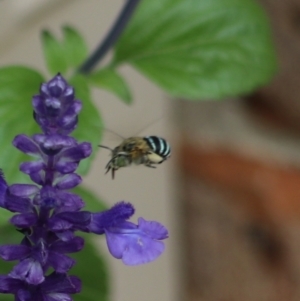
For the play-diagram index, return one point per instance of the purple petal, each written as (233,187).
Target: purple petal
(57,297)
(76,153)
(71,113)
(69,94)
(14,252)
(54,141)
(48,197)
(56,224)
(69,201)
(69,181)
(25,295)
(60,283)
(60,263)
(3,188)
(56,86)
(32,167)
(9,285)
(23,190)
(38,105)
(18,204)
(79,218)
(72,246)
(53,106)
(66,167)
(153,229)
(29,271)
(114,243)
(53,144)
(38,177)
(66,235)
(134,249)
(26,145)
(118,213)
(70,127)
(24,220)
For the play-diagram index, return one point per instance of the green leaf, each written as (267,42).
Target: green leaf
(54,53)
(17,86)
(90,126)
(5,216)
(92,270)
(74,46)
(92,202)
(200,49)
(110,80)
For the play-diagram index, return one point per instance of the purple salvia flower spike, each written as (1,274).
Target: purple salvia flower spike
(49,215)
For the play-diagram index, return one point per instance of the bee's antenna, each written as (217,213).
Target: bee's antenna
(103,146)
(115,133)
(148,125)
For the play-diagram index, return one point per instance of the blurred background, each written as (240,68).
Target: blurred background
(230,194)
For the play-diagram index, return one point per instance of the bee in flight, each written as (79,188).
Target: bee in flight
(148,151)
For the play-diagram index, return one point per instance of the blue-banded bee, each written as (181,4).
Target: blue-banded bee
(148,151)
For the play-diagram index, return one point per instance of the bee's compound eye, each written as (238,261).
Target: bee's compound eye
(129,147)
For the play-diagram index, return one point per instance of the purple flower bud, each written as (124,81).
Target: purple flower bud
(60,263)
(54,286)
(56,109)
(24,220)
(71,114)
(26,145)
(23,190)
(3,188)
(28,270)
(76,153)
(69,181)
(66,167)
(15,203)
(72,246)
(61,283)
(9,285)
(80,218)
(53,144)
(38,177)
(32,167)
(14,252)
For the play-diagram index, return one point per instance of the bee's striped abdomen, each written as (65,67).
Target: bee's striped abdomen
(159,146)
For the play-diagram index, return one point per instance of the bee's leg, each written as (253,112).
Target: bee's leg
(110,163)
(149,164)
(113,167)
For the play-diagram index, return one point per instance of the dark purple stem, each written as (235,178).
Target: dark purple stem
(111,37)
(49,176)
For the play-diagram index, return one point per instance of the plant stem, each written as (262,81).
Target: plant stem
(111,37)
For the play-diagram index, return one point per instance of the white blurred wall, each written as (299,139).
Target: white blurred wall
(149,190)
